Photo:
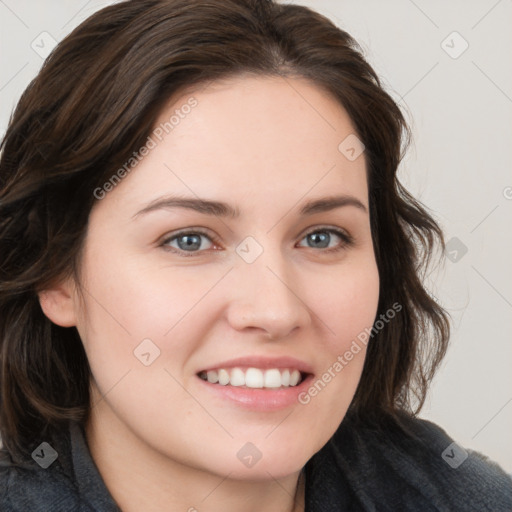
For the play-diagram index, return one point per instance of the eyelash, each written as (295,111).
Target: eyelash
(347,240)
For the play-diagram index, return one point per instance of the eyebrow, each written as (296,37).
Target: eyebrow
(221,209)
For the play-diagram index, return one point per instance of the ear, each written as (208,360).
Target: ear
(58,303)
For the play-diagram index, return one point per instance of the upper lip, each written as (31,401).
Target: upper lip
(263,363)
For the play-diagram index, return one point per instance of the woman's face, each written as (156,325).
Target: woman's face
(172,291)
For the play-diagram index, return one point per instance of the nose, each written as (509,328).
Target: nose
(267,297)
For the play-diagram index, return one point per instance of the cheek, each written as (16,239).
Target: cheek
(124,308)
(346,302)
(136,301)
(346,305)
(144,322)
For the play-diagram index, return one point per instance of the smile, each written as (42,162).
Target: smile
(256,378)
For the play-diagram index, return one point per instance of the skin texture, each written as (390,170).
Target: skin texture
(160,441)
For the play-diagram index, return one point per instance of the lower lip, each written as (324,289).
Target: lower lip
(257,399)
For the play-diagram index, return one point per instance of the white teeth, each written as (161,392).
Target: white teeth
(294,377)
(253,377)
(212,376)
(223,377)
(237,377)
(272,379)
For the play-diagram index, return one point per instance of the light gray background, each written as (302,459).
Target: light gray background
(460,167)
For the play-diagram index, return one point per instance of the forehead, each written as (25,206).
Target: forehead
(257,139)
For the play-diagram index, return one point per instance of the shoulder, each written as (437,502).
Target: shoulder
(58,476)
(27,486)
(416,463)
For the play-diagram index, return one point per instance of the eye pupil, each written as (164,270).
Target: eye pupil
(192,242)
(320,236)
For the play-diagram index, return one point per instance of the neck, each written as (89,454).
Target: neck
(141,478)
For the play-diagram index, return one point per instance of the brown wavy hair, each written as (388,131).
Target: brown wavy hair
(95,102)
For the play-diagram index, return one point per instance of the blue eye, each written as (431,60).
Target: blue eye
(190,243)
(321,239)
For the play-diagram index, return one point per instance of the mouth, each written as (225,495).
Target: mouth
(257,383)
(254,378)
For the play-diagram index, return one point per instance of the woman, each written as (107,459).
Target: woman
(210,287)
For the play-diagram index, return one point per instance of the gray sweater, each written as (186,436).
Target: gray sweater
(416,467)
